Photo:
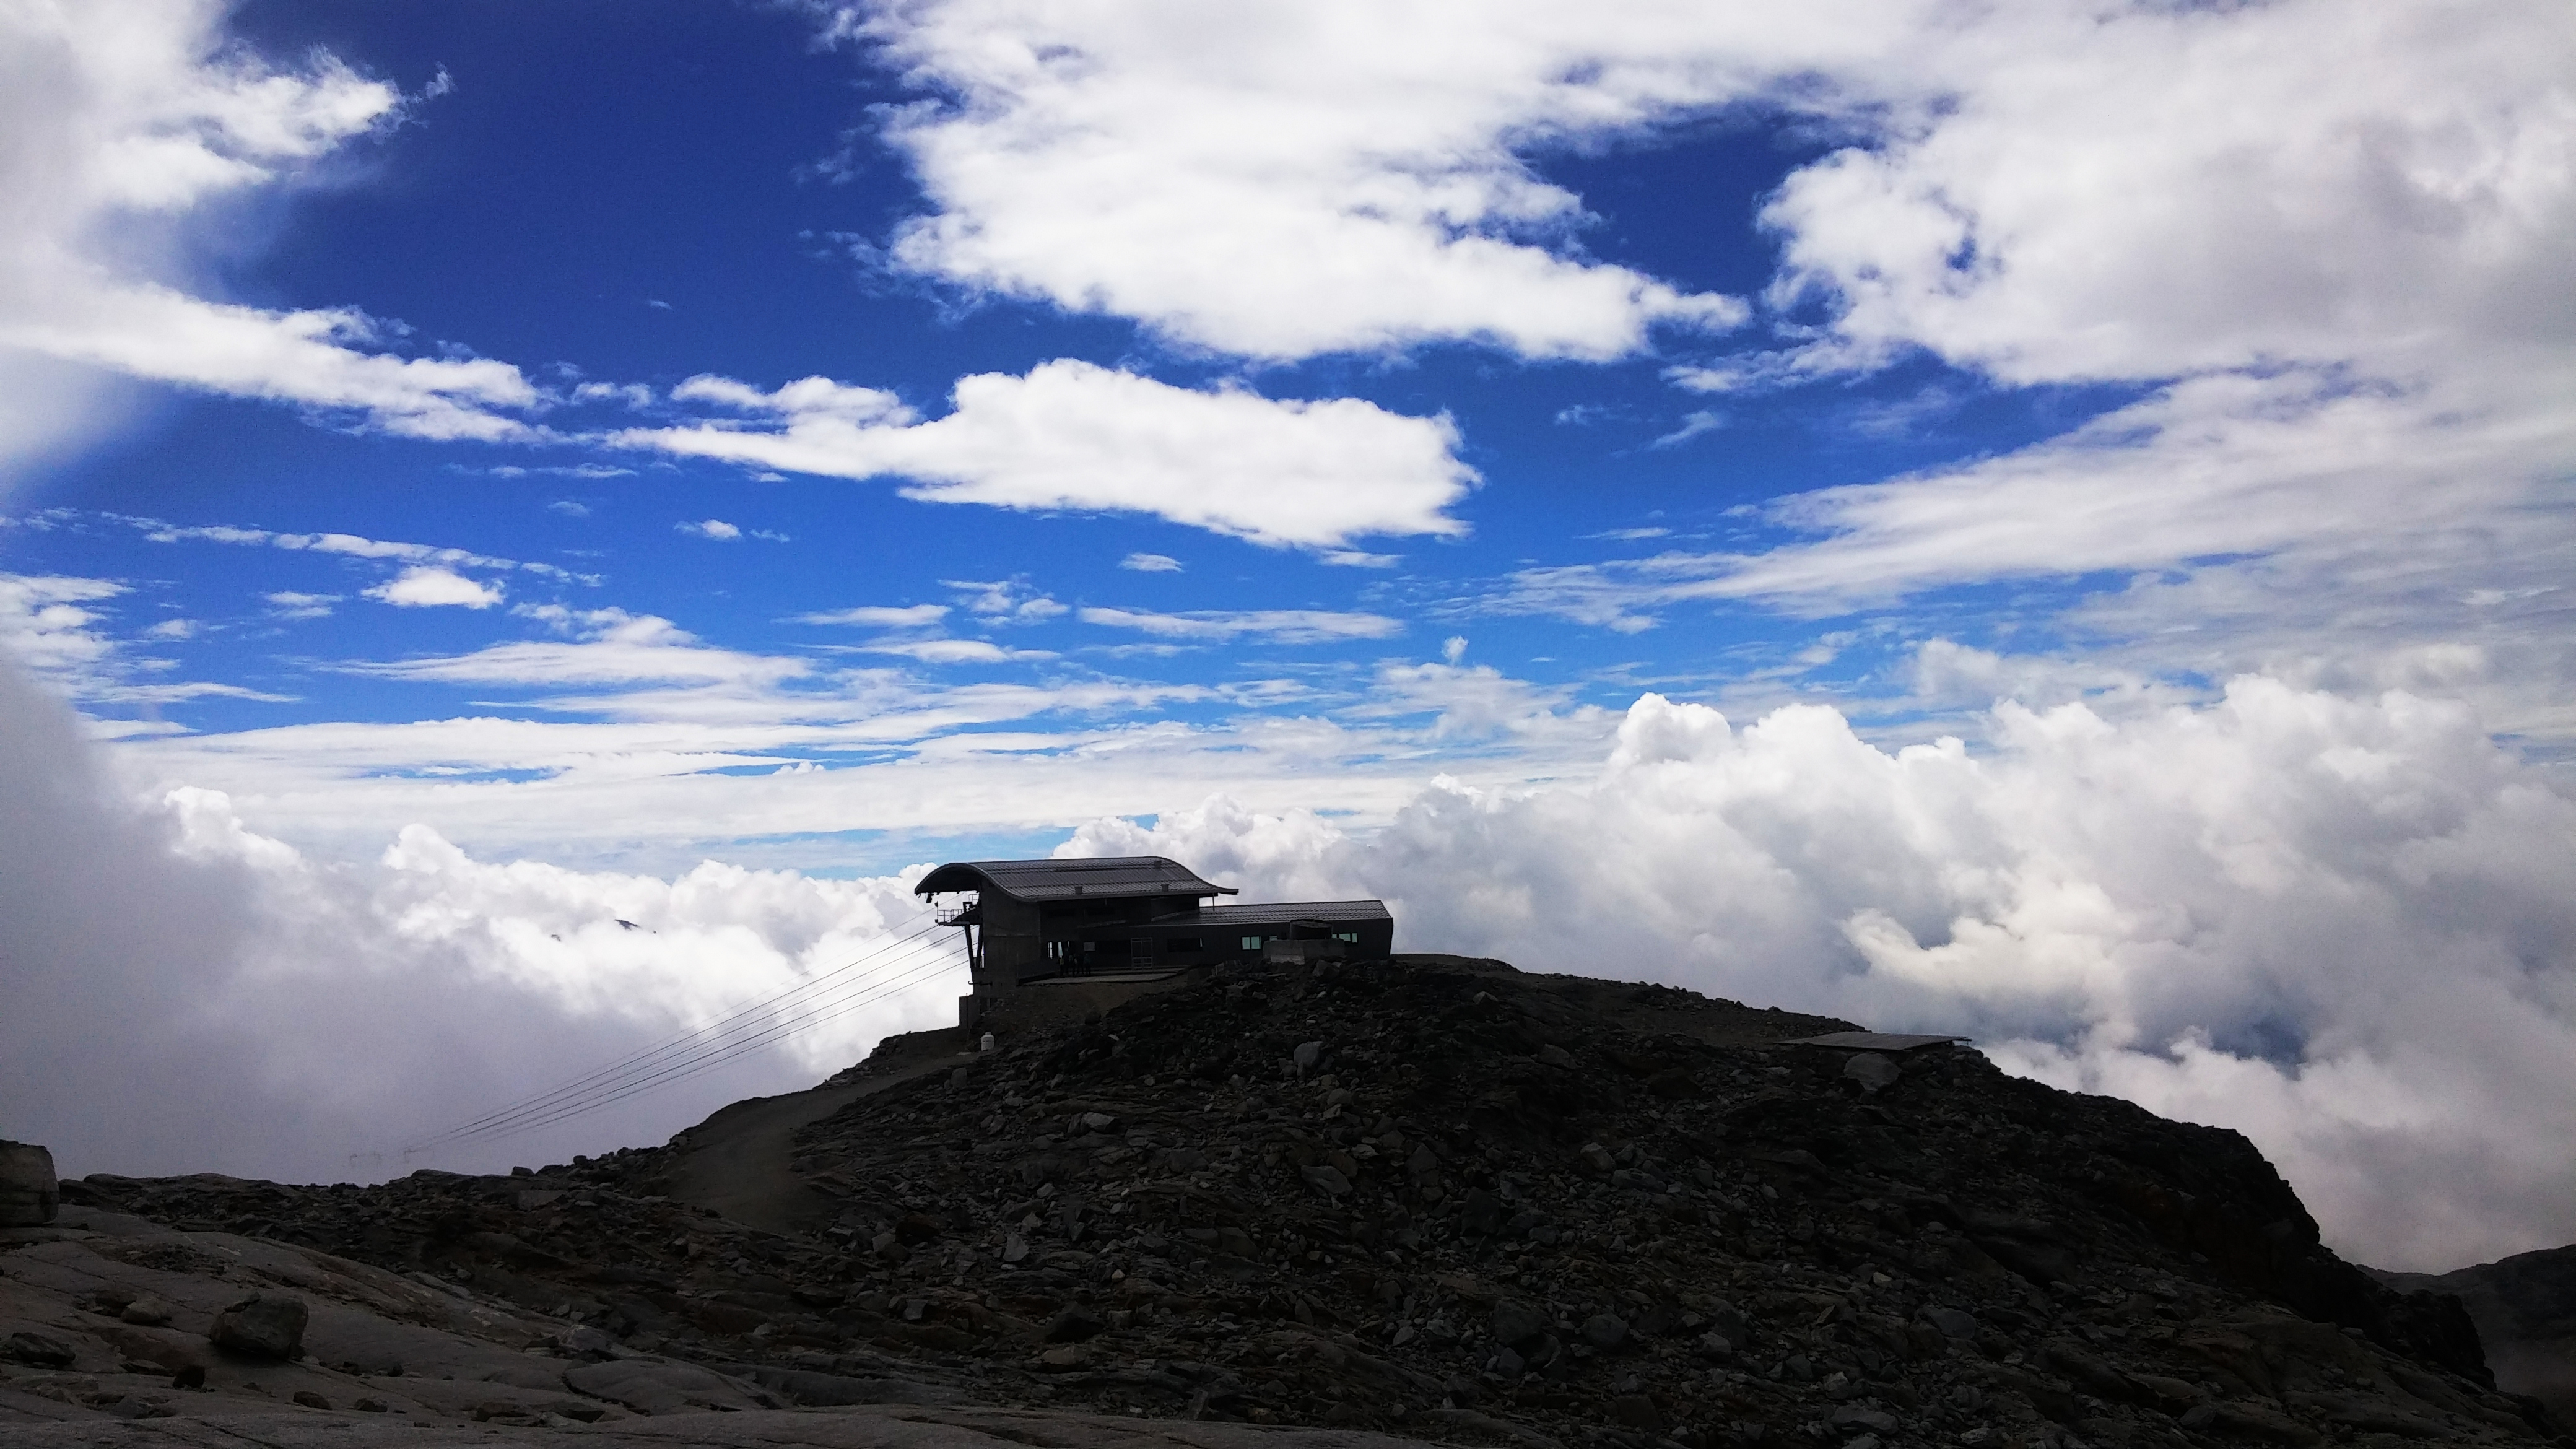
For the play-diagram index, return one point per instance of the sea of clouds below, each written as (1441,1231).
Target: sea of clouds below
(2340,925)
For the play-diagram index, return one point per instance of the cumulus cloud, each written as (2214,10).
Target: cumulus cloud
(1278,626)
(1997,198)
(428,586)
(1307,178)
(2339,925)
(712,528)
(2385,192)
(1074,435)
(125,117)
(187,995)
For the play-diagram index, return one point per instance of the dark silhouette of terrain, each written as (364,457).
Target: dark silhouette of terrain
(2525,1310)
(1427,1198)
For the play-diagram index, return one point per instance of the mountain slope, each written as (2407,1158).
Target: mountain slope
(1449,1200)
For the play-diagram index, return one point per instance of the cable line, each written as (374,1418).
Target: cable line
(716,1053)
(717,1057)
(650,1058)
(698,1046)
(677,1042)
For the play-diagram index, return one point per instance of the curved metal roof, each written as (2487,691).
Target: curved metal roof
(1111,878)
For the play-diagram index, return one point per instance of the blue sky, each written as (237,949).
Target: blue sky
(636,196)
(487,461)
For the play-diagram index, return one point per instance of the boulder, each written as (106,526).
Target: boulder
(1605,1330)
(30,1195)
(264,1325)
(1516,1322)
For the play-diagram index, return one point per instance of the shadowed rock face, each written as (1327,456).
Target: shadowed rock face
(2525,1310)
(1443,1199)
(27,1193)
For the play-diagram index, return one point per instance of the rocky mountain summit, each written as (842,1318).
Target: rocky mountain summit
(1428,1199)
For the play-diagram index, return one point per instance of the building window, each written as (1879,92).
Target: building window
(1252,943)
(1352,937)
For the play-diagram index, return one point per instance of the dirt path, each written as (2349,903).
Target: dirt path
(736,1161)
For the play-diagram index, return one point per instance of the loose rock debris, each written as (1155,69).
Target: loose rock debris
(1444,1199)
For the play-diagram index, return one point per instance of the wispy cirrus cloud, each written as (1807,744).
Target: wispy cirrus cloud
(610,646)
(909,616)
(345,545)
(951,651)
(1275,626)
(289,604)
(60,628)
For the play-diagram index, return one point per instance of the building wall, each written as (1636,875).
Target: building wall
(1013,943)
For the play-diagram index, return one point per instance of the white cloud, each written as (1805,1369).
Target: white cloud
(289,1018)
(2245,523)
(61,629)
(44,621)
(615,648)
(1692,426)
(1151,563)
(1006,601)
(1278,626)
(2314,190)
(951,651)
(2336,260)
(312,358)
(288,604)
(1351,558)
(428,586)
(912,616)
(1305,178)
(1072,435)
(347,545)
(1318,176)
(125,117)
(712,528)
(1478,705)
(2338,925)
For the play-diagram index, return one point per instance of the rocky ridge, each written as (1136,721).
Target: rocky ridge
(1443,1199)
(2525,1311)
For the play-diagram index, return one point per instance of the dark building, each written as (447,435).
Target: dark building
(1049,939)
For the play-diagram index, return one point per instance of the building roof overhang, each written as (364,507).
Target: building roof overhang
(1125,877)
